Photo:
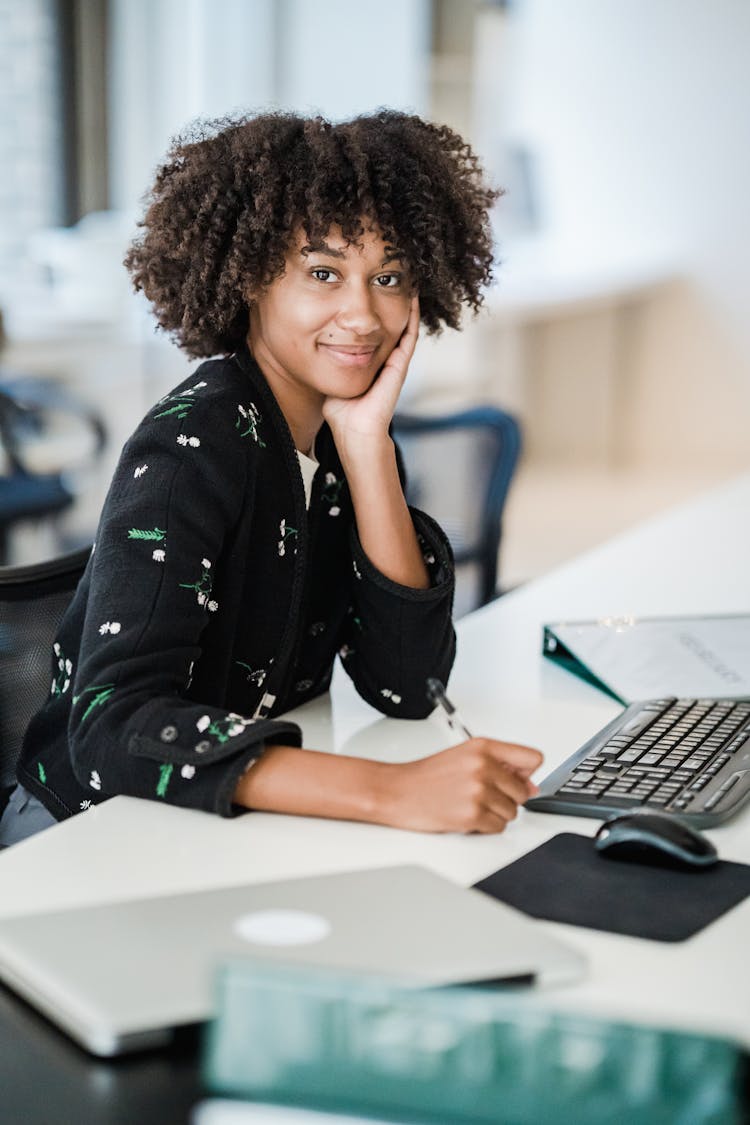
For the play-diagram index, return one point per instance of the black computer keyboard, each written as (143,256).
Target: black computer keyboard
(690,757)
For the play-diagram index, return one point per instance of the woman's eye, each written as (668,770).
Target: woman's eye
(388,280)
(322,274)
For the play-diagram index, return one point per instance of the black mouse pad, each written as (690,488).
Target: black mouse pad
(567,880)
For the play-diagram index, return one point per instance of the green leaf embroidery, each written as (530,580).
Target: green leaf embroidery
(155,533)
(181,409)
(42,773)
(165,772)
(103,693)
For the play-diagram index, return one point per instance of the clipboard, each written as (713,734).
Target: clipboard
(632,658)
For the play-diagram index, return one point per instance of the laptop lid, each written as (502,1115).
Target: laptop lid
(121,976)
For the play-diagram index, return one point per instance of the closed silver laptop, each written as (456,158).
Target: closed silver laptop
(122,976)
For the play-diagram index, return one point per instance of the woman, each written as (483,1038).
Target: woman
(256,524)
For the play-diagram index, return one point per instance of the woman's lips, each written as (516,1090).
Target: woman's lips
(351,355)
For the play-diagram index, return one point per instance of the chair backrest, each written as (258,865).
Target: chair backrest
(32,602)
(458,468)
(32,410)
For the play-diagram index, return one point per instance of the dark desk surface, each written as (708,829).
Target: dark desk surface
(45,1078)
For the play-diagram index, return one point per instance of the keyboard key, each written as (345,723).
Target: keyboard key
(666,755)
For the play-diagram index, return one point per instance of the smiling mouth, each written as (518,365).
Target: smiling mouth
(353,355)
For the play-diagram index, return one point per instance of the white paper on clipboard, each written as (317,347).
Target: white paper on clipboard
(644,658)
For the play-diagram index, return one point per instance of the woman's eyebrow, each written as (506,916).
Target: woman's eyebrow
(393,254)
(322,248)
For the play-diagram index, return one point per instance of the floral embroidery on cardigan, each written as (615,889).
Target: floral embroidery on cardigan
(224,728)
(331,492)
(286,533)
(165,772)
(103,693)
(254,675)
(61,681)
(249,417)
(203,587)
(179,402)
(153,533)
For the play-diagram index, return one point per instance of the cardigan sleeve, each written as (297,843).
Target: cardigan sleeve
(133,729)
(397,636)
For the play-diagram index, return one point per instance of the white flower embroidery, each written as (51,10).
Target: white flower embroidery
(206,563)
(203,723)
(194,442)
(65,686)
(86,804)
(95,781)
(282,527)
(330,478)
(183,439)
(187,772)
(109,627)
(159,555)
(235,729)
(201,598)
(139,471)
(212,606)
(56,649)
(68,666)
(334,511)
(390,695)
(356,569)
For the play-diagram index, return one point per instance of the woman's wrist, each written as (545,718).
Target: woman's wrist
(361,455)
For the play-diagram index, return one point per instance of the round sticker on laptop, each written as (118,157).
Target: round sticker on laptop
(282,927)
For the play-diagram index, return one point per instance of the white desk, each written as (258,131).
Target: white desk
(693,559)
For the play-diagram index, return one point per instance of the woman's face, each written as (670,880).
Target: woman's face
(328,324)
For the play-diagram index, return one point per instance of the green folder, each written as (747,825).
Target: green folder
(369,1046)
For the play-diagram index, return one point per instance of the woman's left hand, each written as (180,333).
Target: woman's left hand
(370,414)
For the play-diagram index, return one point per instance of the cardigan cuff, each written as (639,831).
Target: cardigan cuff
(436,552)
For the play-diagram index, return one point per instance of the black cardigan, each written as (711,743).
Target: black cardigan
(214,600)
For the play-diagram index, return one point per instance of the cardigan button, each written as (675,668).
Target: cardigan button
(169,733)
(203,746)
(303,685)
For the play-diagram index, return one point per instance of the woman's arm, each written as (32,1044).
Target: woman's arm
(474,787)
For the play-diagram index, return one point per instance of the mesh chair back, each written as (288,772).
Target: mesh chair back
(459,468)
(32,602)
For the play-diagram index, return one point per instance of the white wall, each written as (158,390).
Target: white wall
(175,60)
(639,114)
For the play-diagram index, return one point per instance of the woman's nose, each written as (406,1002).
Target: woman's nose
(357,312)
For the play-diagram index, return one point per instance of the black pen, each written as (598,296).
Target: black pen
(436,694)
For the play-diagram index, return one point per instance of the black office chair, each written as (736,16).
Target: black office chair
(29,408)
(458,468)
(32,602)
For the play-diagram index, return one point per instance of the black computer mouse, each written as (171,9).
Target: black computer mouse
(654,838)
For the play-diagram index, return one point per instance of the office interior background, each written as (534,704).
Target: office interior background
(617,327)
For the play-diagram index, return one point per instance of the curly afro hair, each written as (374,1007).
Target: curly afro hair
(233,193)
